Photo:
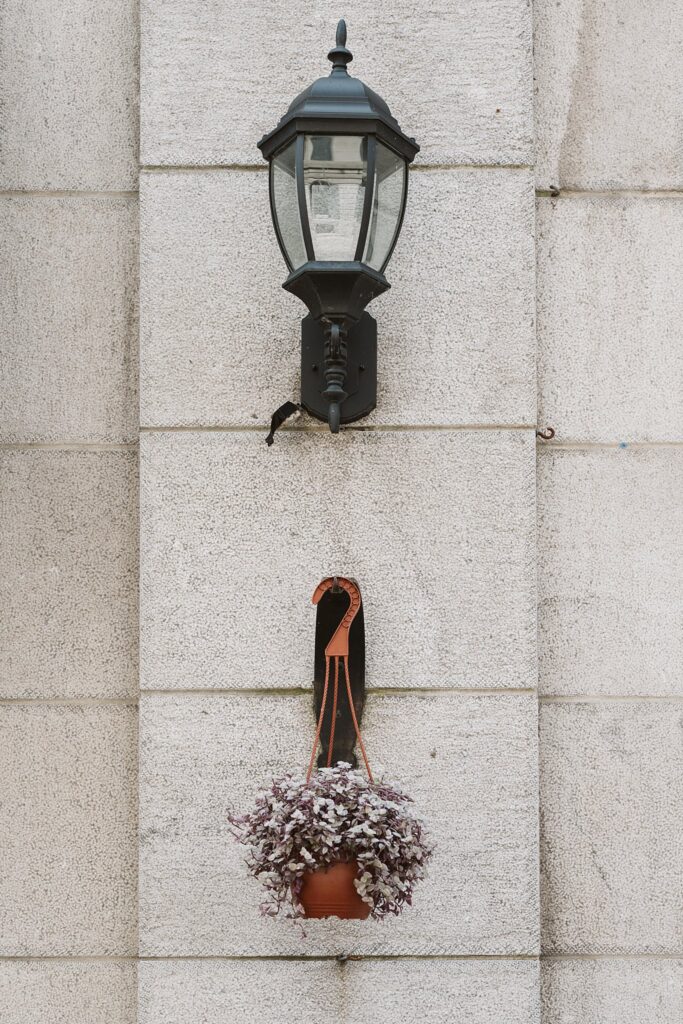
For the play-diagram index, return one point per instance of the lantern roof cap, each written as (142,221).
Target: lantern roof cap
(339,104)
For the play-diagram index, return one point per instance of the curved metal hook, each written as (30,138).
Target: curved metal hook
(339,644)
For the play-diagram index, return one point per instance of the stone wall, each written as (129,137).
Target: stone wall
(522,598)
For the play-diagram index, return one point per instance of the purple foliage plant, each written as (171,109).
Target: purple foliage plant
(339,815)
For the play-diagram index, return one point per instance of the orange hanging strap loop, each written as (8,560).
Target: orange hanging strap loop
(339,643)
(338,647)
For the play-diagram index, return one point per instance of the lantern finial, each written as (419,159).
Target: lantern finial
(340,56)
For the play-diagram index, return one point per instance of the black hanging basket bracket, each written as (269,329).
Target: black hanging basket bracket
(332,607)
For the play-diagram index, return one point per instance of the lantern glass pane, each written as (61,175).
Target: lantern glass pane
(286,206)
(335,178)
(387,205)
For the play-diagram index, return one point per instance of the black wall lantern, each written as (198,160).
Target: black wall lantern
(338,186)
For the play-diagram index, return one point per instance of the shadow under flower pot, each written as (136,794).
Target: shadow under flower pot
(330,892)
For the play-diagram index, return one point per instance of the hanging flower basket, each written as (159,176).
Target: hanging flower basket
(335,845)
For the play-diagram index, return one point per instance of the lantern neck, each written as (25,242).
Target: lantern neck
(340,56)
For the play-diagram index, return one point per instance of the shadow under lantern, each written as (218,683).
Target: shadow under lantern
(338,186)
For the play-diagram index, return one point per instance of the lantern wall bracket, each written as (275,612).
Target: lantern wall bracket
(338,370)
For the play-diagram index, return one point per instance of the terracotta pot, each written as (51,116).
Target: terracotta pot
(330,892)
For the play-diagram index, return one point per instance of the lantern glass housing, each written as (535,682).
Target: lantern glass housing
(388,202)
(285,206)
(354,193)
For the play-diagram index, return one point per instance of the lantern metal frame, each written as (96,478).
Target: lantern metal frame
(339,347)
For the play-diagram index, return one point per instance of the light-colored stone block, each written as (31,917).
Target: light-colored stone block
(438,527)
(611,838)
(68,306)
(69,82)
(469,763)
(68,588)
(614,991)
(365,992)
(63,992)
(610,306)
(67,836)
(216,77)
(608,94)
(221,339)
(610,571)
(442,991)
(68,78)
(263,991)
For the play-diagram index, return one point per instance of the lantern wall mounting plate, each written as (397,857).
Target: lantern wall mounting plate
(338,187)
